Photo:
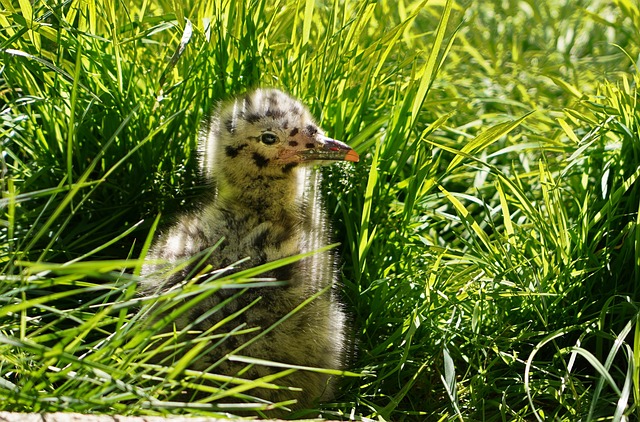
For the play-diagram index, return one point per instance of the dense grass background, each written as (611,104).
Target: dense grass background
(489,235)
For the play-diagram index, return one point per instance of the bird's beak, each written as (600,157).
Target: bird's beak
(330,149)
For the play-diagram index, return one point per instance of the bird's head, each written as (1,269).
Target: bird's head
(268,133)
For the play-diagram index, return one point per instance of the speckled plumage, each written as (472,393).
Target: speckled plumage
(257,150)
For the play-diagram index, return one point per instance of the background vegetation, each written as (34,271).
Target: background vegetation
(489,235)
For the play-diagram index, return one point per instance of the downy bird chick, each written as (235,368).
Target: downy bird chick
(259,151)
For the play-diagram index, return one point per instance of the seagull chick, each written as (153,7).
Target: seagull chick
(259,151)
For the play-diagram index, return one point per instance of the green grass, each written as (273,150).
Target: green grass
(489,235)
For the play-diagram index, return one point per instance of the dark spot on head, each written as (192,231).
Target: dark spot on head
(311,129)
(275,113)
(285,124)
(310,145)
(272,100)
(288,167)
(229,125)
(232,152)
(294,132)
(260,160)
(252,117)
(293,144)
(296,110)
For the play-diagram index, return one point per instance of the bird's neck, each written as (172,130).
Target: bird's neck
(266,198)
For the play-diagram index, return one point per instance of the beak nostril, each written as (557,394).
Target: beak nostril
(325,149)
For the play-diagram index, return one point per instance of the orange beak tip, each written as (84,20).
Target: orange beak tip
(352,156)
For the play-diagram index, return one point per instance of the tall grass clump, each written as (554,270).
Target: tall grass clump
(488,236)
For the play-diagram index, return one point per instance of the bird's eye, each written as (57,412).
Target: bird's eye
(268,138)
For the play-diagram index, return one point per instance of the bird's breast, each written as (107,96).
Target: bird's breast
(260,240)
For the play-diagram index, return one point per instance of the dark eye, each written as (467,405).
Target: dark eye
(268,138)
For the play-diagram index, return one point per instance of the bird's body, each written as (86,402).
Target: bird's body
(266,207)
